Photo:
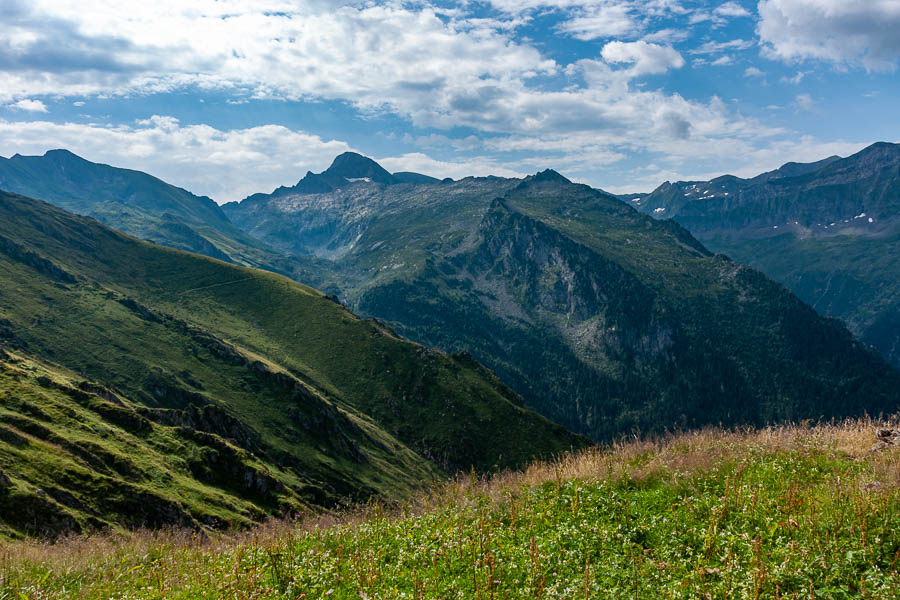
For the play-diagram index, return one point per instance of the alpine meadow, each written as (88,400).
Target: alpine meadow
(433,299)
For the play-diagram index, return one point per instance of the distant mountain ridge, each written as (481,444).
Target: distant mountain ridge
(828,230)
(346,169)
(519,272)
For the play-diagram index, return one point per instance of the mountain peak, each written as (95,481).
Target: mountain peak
(879,151)
(60,152)
(62,155)
(351,165)
(549,175)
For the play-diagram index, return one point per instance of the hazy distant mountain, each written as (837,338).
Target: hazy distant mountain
(602,318)
(346,169)
(141,205)
(828,230)
(142,386)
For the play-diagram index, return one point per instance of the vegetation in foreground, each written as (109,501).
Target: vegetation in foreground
(789,512)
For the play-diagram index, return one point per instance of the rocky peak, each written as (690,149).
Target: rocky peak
(549,175)
(353,166)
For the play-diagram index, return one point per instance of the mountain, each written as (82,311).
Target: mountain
(347,169)
(141,205)
(146,386)
(829,231)
(603,319)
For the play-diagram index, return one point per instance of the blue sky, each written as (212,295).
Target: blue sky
(232,97)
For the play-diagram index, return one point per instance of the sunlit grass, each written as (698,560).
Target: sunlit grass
(788,512)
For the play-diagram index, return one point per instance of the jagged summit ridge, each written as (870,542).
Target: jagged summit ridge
(347,169)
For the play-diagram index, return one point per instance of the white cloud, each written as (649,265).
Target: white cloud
(478,166)
(854,33)
(29,105)
(796,79)
(601,22)
(720,15)
(731,9)
(668,35)
(645,58)
(434,68)
(722,61)
(374,56)
(437,69)
(753,72)
(223,164)
(645,7)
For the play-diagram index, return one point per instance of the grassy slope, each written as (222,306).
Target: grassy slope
(76,461)
(343,406)
(780,513)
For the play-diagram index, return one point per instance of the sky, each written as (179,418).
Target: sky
(231,97)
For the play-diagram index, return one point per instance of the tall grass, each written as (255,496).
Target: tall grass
(783,512)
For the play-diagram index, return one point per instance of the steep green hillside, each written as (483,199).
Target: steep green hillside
(602,318)
(829,231)
(214,393)
(142,205)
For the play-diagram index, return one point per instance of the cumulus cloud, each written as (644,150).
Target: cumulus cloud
(601,22)
(29,105)
(644,58)
(436,68)
(731,9)
(848,33)
(753,72)
(373,55)
(755,161)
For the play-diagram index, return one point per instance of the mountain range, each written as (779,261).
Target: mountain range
(603,319)
(146,386)
(828,230)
